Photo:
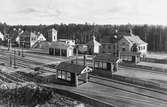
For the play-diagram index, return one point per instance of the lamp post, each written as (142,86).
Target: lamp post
(116,51)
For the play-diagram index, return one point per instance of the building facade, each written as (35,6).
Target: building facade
(60,49)
(106,62)
(93,46)
(2,36)
(30,39)
(52,35)
(133,43)
(72,73)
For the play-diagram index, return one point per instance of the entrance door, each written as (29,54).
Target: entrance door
(108,66)
(133,58)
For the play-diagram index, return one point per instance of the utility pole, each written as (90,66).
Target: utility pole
(76,53)
(10,59)
(22,48)
(14,57)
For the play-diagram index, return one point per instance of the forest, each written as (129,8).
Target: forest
(154,35)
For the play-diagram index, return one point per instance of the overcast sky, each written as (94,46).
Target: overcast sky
(81,11)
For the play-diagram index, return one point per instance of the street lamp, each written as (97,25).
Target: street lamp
(116,51)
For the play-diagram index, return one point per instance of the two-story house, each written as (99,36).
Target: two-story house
(30,39)
(132,47)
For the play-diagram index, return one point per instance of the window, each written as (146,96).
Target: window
(100,65)
(63,75)
(113,46)
(109,47)
(123,49)
(68,76)
(123,43)
(104,66)
(143,47)
(96,64)
(59,74)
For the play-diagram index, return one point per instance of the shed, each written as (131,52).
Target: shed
(133,57)
(106,61)
(72,73)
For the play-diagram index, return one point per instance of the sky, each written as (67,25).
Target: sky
(35,12)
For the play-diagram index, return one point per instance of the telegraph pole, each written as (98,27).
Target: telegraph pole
(14,57)
(77,54)
(10,60)
(22,48)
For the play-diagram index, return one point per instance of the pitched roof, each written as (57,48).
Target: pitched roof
(93,42)
(106,57)
(57,44)
(69,67)
(134,39)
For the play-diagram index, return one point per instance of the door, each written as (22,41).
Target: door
(108,66)
(133,58)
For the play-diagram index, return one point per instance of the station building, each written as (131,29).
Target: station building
(60,49)
(72,73)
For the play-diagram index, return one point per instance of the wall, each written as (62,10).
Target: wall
(123,43)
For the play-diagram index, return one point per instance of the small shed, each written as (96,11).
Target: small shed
(132,57)
(72,73)
(106,62)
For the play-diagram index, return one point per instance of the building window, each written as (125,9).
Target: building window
(63,76)
(109,47)
(123,49)
(104,65)
(59,74)
(113,46)
(68,76)
(123,43)
(96,64)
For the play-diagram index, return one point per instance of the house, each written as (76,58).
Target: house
(93,46)
(72,73)
(60,49)
(30,39)
(109,45)
(132,43)
(39,37)
(2,37)
(52,35)
(106,61)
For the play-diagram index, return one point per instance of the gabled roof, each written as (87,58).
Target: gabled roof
(93,42)
(106,57)
(57,44)
(72,68)
(134,39)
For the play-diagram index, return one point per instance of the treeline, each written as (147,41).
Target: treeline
(154,35)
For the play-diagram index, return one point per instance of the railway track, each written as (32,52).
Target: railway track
(22,61)
(130,85)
